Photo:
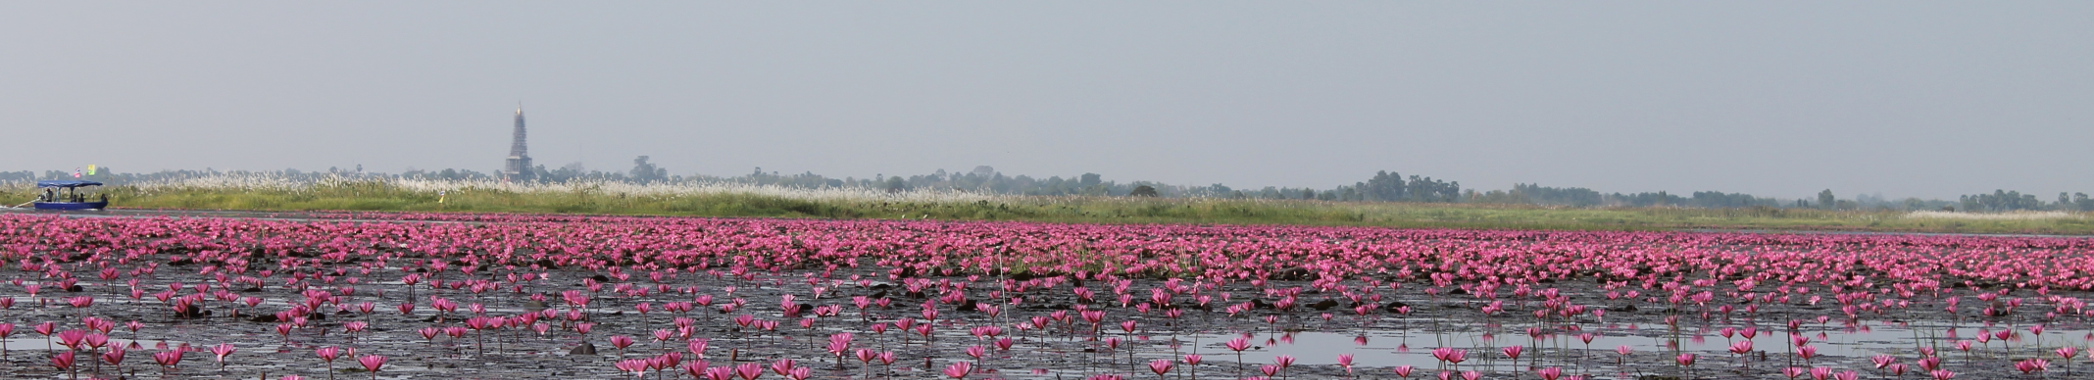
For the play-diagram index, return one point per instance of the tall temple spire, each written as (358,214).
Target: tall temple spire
(518,167)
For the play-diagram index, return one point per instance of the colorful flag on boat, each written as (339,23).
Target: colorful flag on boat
(90,169)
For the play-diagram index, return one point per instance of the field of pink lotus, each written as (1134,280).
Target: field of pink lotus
(444,296)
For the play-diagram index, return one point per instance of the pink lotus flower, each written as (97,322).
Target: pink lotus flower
(328,353)
(115,356)
(840,343)
(95,341)
(372,363)
(959,370)
(1450,355)
(749,371)
(168,359)
(637,367)
(2032,365)
(1550,373)
(1160,366)
(1883,360)
(1868,277)
(222,350)
(698,346)
(63,360)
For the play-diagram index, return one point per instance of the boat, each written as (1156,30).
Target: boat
(68,195)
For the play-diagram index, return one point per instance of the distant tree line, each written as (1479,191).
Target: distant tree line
(1527,193)
(2003,200)
(1383,186)
(987,180)
(1700,199)
(110,176)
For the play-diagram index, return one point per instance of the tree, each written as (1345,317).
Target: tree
(1143,191)
(538,172)
(1426,189)
(2001,200)
(894,185)
(1385,187)
(647,172)
(1826,200)
(1088,180)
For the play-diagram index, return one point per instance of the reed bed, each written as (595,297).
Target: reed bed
(728,199)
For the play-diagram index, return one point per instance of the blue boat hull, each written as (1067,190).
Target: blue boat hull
(71,205)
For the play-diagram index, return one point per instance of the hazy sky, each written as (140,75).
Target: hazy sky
(1930,99)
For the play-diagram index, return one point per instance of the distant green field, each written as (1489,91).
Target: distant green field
(382,196)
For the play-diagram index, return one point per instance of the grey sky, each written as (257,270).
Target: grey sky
(1928,99)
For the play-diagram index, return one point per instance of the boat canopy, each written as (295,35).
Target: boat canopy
(66,183)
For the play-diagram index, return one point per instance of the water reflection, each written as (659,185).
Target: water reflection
(1650,345)
(38,343)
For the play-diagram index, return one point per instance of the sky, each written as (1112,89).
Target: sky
(1782,99)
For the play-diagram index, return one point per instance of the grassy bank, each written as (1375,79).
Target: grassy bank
(732,201)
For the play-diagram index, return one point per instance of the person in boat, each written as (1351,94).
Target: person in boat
(49,196)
